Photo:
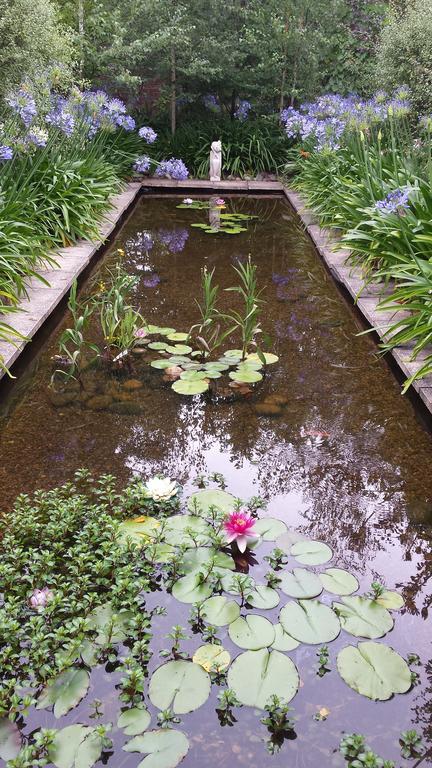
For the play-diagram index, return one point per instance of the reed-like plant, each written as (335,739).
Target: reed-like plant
(208,333)
(247,322)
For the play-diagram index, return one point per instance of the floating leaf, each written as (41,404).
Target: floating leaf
(283,641)
(161,364)
(158,345)
(233,353)
(269,357)
(310,621)
(245,375)
(65,691)
(164,749)
(213,374)
(112,627)
(286,541)
(177,336)
(203,501)
(191,589)
(76,746)
(229,585)
(270,528)
(180,528)
(10,739)
(363,617)
(393,601)
(139,529)
(157,329)
(216,367)
(256,676)
(374,670)
(134,721)
(219,611)
(339,582)
(193,375)
(179,349)
(212,657)
(180,685)
(263,597)
(194,559)
(190,387)
(311,552)
(301,583)
(252,632)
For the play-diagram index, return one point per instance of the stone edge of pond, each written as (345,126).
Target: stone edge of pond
(42,299)
(365,297)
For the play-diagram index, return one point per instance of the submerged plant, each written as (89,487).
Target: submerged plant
(323,660)
(167,718)
(277,558)
(176,635)
(411,744)
(227,701)
(72,342)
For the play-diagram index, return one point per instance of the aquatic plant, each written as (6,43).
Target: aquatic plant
(239,528)
(411,744)
(248,322)
(161,489)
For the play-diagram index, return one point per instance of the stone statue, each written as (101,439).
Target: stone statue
(215,161)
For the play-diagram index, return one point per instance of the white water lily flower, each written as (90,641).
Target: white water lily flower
(161,488)
(187,201)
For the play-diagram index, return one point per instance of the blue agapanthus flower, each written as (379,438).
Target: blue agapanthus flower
(243,109)
(396,201)
(172,169)
(24,105)
(37,138)
(142,164)
(126,122)
(6,153)
(148,134)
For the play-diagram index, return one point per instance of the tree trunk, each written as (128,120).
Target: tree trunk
(81,32)
(284,69)
(173,90)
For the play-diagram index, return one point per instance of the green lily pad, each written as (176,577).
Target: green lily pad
(286,541)
(338,581)
(263,597)
(160,553)
(164,749)
(134,721)
(283,641)
(159,330)
(195,558)
(158,345)
(65,691)
(300,583)
(177,336)
(221,367)
(219,611)
(180,685)
(213,374)
(310,621)
(111,626)
(374,670)
(10,739)
(363,617)
(269,357)
(161,364)
(202,501)
(393,601)
(179,529)
(270,528)
(256,676)
(190,589)
(311,552)
(212,657)
(179,349)
(233,353)
(252,632)
(190,387)
(76,746)
(140,530)
(193,375)
(245,375)
(229,361)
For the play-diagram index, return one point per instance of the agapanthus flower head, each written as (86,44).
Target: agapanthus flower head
(243,109)
(148,134)
(172,169)
(6,153)
(37,137)
(161,488)
(240,527)
(211,102)
(61,116)
(126,122)
(24,105)
(142,164)
(397,201)
(40,598)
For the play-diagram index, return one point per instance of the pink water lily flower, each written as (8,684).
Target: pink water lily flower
(40,598)
(220,201)
(240,527)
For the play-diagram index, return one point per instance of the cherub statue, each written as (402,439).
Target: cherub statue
(215,161)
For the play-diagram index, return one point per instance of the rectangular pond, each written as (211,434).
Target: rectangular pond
(326,439)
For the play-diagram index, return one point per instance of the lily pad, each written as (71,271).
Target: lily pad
(338,581)
(177,336)
(211,373)
(252,632)
(286,541)
(164,749)
(195,558)
(190,589)
(65,691)
(245,375)
(393,601)
(363,617)
(139,529)
(212,657)
(216,366)
(111,626)
(269,357)
(374,670)
(219,611)
(193,375)
(158,345)
(256,676)
(283,641)
(160,330)
(180,528)
(190,387)
(264,597)
(10,739)
(310,621)
(311,552)
(161,364)
(179,349)
(180,685)
(270,528)
(134,721)
(202,501)
(76,746)
(301,583)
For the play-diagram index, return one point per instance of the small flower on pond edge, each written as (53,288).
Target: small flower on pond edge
(140,333)
(161,488)
(187,201)
(220,202)
(40,598)
(240,527)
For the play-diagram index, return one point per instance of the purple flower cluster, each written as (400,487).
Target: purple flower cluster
(24,105)
(36,138)
(325,120)
(396,201)
(6,153)
(142,164)
(60,116)
(148,134)
(172,169)
(151,281)
(243,109)
(174,239)
(211,102)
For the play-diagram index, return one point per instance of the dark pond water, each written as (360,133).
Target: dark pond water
(344,460)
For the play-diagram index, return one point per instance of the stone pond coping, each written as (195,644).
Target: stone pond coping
(42,299)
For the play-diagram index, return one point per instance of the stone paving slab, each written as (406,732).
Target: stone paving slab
(42,299)
(366,297)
